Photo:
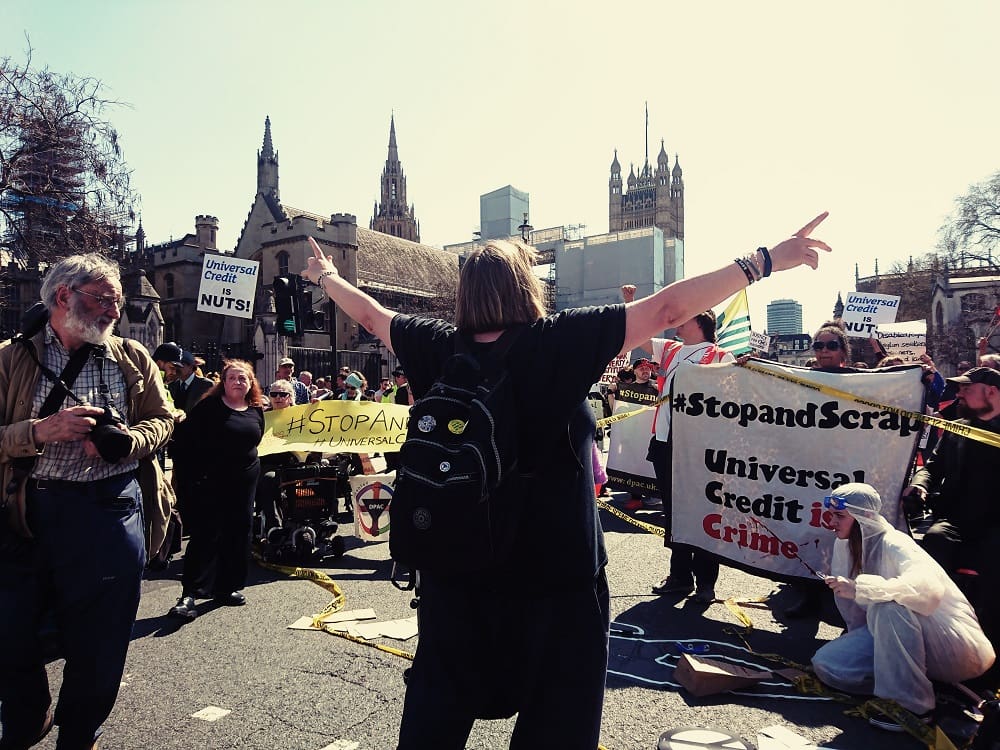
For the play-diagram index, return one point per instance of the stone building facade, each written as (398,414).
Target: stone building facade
(652,198)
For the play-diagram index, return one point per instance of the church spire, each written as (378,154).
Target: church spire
(268,150)
(267,164)
(393,214)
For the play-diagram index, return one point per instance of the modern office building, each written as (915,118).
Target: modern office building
(502,212)
(784,316)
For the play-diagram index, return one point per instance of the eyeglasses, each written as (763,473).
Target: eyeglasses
(105,302)
(834,503)
(279,394)
(819,346)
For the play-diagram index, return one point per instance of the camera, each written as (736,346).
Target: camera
(111,441)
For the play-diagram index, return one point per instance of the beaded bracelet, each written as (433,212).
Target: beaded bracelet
(745,268)
(767,260)
(319,281)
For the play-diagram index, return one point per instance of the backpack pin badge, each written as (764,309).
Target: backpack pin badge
(426,423)
(456,426)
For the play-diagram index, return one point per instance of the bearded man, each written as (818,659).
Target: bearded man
(72,542)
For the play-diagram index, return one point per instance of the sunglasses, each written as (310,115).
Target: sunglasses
(834,503)
(279,394)
(819,346)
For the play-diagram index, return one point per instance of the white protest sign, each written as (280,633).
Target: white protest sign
(754,455)
(863,312)
(228,285)
(372,497)
(907,340)
(759,342)
(611,371)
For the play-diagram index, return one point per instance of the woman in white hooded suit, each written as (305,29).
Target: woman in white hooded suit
(907,621)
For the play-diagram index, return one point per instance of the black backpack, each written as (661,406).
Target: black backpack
(455,505)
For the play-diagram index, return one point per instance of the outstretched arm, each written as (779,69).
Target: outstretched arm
(684,299)
(359,306)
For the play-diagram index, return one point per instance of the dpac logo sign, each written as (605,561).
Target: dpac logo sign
(372,497)
(228,286)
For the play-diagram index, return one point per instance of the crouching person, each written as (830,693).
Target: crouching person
(907,621)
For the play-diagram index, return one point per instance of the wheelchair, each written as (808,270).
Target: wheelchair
(302,527)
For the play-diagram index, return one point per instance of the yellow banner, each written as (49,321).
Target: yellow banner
(335,427)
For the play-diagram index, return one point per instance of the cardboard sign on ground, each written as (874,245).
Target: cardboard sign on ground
(701,676)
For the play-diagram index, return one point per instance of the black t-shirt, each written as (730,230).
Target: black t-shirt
(638,393)
(560,544)
(217,441)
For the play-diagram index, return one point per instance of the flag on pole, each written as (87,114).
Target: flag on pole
(732,331)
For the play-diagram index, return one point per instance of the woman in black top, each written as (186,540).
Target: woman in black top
(216,469)
(533,639)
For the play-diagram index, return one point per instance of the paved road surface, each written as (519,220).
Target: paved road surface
(308,690)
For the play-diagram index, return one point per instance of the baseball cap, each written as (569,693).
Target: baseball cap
(985,375)
(643,362)
(286,361)
(168,352)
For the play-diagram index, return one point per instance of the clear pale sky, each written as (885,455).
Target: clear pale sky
(880,112)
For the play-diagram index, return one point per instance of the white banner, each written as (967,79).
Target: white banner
(907,340)
(864,312)
(372,495)
(754,456)
(627,466)
(228,285)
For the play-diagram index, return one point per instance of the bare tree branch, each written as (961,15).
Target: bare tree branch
(64,184)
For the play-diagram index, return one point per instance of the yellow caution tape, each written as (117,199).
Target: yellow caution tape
(626,414)
(738,612)
(974,433)
(651,528)
(355,639)
(319,578)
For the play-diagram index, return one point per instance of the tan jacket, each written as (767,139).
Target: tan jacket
(149,418)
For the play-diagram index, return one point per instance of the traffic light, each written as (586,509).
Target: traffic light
(313,321)
(287,294)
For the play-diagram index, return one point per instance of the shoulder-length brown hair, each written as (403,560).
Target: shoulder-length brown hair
(255,396)
(498,288)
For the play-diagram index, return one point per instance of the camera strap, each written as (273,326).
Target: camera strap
(61,386)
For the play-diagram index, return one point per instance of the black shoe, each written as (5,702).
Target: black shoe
(890,724)
(671,585)
(9,743)
(185,608)
(234,599)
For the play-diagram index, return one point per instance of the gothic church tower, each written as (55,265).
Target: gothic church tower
(267,165)
(392,215)
(652,198)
